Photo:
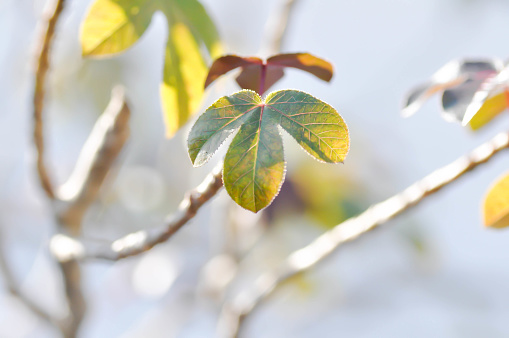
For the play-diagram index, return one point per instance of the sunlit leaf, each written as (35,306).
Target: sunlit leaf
(489,89)
(251,69)
(492,107)
(496,204)
(304,61)
(184,67)
(460,79)
(112,26)
(192,13)
(254,164)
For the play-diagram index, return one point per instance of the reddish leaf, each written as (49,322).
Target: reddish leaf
(227,63)
(252,68)
(304,61)
(250,76)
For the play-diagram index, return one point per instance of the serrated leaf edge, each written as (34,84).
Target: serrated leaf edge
(234,131)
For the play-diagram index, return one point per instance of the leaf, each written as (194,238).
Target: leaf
(254,164)
(491,88)
(181,93)
(112,26)
(496,204)
(227,63)
(252,67)
(304,61)
(492,107)
(459,79)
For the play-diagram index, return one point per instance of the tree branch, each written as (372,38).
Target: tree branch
(66,248)
(97,156)
(45,42)
(235,311)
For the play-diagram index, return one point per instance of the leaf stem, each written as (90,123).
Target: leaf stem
(245,302)
(262,78)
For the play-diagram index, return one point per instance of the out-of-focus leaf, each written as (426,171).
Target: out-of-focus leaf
(194,15)
(184,71)
(112,26)
(254,165)
(462,75)
(496,204)
(251,69)
(317,186)
(489,89)
(492,107)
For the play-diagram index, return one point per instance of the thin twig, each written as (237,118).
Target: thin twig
(97,156)
(66,248)
(13,288)
(46,40)
(277,27)
(235,311)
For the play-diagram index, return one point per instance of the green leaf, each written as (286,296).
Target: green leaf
(254,164)
(112,26)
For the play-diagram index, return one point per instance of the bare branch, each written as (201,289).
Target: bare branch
(235,311)
(71,274)
(97,156)
(277,26)
(48,32)
(66,248)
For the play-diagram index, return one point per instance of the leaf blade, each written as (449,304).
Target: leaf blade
(496,204)
(254,165)
(184,73)
(196,17)
(228,63)
(304,61)
(112,26)
(219,121)
(315,125)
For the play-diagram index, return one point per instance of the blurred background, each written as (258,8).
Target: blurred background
(433,272)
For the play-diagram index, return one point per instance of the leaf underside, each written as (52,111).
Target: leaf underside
(112,26)
(254,164)
(496,204)
(251,69)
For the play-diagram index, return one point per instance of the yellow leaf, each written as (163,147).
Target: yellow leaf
(496,204)
(184,75)
(490,109)
(112,26)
